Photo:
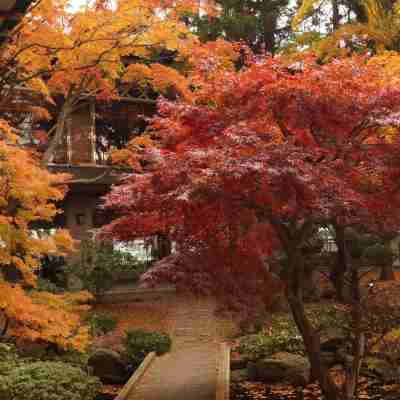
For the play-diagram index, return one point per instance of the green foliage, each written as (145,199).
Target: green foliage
(283,334)
(75,358)
(326,316)
(101,323)
(260,345)
(44,285)
(8,358)
(99,266)
(138,343)
(46,380)
(7,351)
(252,22)
(378,254)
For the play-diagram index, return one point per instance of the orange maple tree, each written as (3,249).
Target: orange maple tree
(27,195)
(80,56)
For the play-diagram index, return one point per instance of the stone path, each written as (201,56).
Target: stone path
(189,370)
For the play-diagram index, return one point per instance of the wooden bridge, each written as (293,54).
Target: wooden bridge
(196,368)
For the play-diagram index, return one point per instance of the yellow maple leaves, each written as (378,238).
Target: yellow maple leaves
(86,50)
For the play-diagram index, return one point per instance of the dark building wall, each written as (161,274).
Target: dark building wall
(79,211)
(81,130)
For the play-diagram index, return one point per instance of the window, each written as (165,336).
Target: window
(80,219)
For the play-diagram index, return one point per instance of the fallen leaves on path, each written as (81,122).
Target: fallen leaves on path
(152,316)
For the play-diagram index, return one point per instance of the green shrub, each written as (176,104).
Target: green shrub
(99,265)
(138,343)
(71,357)
(8,351)
(379,254)
(8,358)
(101,323)
(262,344)
(44,285)
(283,334)
(46,380)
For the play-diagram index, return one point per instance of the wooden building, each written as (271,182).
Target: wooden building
(84,154)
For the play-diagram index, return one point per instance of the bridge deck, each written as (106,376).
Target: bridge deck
(189,371)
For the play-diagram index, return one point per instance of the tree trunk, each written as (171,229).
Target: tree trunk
(311,339)
(340,267)
(162,247)
(335,15)
(270,19)
(353,367)
(56,138)
(312,287)
(5,326)
(66,110)
(359,10)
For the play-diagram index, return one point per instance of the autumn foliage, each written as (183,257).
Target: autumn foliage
(27,196)
(253,164)
(93,49)
(256,158)
(59,58)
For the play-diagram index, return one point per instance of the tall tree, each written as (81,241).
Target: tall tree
(255,163)
(261,25)
(27,195)
(85,55)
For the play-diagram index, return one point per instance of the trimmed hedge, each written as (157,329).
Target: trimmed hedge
(138,343)
(48,380)
(101,323)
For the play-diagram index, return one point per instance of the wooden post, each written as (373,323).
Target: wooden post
(92,134)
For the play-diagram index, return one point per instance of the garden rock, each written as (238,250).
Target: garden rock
(109,366)
(282,366)
(333,343)
(381,369)
(329,358)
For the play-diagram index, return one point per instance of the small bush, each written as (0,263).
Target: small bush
(46,380)
(260,345)
(378,254)
(138,343)
(8,359)
(283,335)
(71,357)
(44,285)
(8,351)
(101,323)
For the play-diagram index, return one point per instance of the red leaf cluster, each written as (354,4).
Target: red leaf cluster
(255,158)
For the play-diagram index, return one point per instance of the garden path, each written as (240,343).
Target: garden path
(189,370)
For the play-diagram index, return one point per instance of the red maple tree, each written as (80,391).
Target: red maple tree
(256,161)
